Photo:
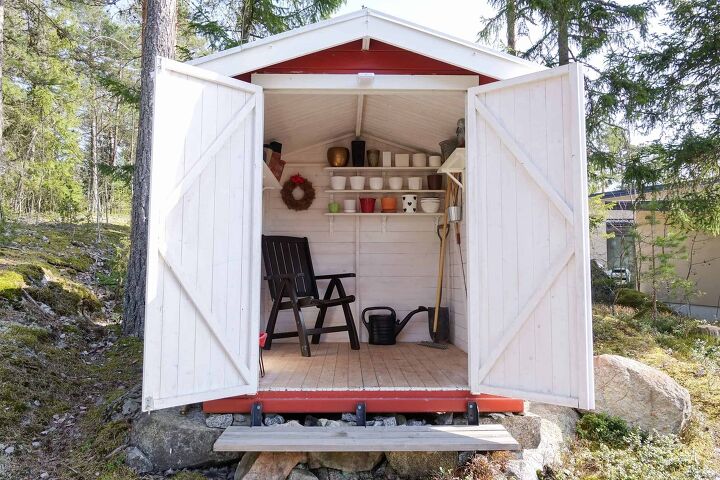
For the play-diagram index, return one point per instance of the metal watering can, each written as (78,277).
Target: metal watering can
(384,329)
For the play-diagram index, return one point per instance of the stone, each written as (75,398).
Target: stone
(273,419)
(400,419)
(241,420)
(170,440)
(706,329)
(136,460)
(524,428)
(348,417)
(345,461)
(415,423)
(219,421)
(9,450)
(35,444)
(557,430)
(311,421)
(444,418)
(385,421)
(243,466)
(301,474)
(643,396)
(460,420)
(44,475)
(289,423)
(421,465)
(269,466)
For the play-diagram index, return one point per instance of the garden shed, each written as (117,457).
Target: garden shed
(516,286)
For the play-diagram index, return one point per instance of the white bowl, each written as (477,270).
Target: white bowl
(338,183)
(435,160)
(430,207)
(419,160)
(357,183)
(402,159)
(395,183)
(376,183)
(415,183)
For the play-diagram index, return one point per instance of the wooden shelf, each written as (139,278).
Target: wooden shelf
(380,214)
(384,191)
(382,169)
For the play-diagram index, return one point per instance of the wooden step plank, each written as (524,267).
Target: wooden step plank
(365,439)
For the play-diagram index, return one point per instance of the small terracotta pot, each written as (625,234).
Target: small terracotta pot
(367,205)
(388,204)
(435,181)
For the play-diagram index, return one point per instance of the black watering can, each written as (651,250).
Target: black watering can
(384,329)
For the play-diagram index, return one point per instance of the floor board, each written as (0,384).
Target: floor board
(334,366)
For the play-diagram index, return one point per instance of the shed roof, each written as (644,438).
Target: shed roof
(366,24)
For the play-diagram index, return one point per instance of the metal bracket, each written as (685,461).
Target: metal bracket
(256,415)
(360,414)
(472,414)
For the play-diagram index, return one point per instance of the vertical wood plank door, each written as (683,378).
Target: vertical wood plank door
(529,317)
(203,275)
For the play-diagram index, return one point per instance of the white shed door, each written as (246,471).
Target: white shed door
(527,219)
(203,275)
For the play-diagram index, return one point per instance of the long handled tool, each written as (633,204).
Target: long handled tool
(449,199)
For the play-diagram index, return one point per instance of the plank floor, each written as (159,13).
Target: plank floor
(334,366)
(361,439)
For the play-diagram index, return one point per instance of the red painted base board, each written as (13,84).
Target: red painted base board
(401,401)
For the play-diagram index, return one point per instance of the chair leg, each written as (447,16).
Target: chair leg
(272,320)
(352,331)
(300,324)
(262,365)
(318,324)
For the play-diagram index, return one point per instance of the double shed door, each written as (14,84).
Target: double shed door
(528,280)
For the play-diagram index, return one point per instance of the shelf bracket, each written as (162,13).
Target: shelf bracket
(383,223)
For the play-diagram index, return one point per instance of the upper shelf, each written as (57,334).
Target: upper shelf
(382,169)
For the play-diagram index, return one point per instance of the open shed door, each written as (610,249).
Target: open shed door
(203,275)
(528,253)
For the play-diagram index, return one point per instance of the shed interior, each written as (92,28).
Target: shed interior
(395,257)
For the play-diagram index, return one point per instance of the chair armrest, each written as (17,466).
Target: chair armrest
(336,275)
(283,276)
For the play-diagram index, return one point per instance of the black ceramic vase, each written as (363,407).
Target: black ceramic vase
(358,153)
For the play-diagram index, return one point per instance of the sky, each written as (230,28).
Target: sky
(460,18)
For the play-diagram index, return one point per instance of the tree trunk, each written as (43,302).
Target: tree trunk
(510,20)
(563,35)
(2,151)
(158,38)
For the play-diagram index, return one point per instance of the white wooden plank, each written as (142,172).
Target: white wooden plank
(367,439)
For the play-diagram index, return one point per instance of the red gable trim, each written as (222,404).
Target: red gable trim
(380,59)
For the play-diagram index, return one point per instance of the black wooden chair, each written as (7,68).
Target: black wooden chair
(293,286)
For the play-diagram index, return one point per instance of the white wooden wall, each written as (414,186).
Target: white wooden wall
(457,300)
(397,267)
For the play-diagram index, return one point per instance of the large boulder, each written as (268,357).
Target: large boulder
(168,440)
(421,465)
(642,395)
(524,428)
(268,465)
(345,461)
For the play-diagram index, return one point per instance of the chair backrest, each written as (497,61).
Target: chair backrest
(289,255)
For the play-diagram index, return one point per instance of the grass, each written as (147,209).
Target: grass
(606,448)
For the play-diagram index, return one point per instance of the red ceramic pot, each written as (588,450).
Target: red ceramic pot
(367,205)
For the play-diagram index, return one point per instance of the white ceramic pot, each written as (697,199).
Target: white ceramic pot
(387,159)
(402,159)
(376,183)
(415,183)
(395,183)
(357,183)
(409,203)
(435,160)
(338,183)
(419,160)
(429,206)
(349,206)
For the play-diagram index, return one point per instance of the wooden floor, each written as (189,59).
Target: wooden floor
(334,366)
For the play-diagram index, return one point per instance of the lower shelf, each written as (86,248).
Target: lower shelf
(381,214)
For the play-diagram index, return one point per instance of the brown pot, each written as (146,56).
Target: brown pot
(373,158)
(338,156)
(388,204)
(435,181)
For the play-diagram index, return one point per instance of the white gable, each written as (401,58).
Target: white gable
(364,24)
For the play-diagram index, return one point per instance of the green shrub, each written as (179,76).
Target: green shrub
(600,427)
